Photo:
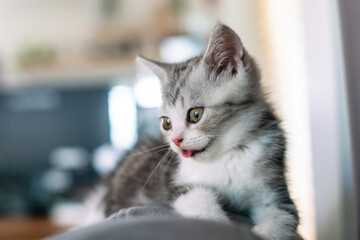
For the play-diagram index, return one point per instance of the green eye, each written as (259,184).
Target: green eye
(166,123)
(195,114)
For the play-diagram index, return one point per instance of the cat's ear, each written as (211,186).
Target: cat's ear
(224,51)
(147,67)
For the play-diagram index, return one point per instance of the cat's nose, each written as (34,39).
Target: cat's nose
(177,141)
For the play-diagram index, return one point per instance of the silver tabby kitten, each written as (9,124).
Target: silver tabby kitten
(226,151)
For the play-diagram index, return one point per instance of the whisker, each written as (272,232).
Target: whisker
(172,157)
(156,167)
(154,149)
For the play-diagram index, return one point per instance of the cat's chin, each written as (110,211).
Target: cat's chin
(199,152)
(202,156)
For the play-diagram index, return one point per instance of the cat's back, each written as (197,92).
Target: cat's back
(141,177)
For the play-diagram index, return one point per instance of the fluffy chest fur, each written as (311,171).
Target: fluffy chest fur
(234,175)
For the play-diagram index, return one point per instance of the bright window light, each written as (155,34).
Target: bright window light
(122,116)
(147,92)
(176,49)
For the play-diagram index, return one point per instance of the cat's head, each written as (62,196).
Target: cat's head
(209,101)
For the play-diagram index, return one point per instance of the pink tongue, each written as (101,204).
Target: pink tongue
(187,153)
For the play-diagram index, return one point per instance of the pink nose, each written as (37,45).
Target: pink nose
(177,141)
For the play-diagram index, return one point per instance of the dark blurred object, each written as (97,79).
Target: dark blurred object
(46,138)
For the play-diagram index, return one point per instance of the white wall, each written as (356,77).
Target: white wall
(331,151)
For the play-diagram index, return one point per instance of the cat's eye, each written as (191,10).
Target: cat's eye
(166,123)
(195,115)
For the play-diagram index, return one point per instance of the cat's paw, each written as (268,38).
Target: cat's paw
(200,203)
(275,234)
(277,224)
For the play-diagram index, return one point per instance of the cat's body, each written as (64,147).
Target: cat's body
(226,151)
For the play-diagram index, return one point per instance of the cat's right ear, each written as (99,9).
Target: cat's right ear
(151,67)
(225,50)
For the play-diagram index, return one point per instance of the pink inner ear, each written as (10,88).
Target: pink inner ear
(224,50)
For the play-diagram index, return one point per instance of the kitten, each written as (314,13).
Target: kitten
(226,150)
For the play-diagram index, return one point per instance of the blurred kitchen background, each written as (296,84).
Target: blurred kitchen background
(71,102)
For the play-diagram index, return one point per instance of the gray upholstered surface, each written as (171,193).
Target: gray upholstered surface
(158,223)
(159,229)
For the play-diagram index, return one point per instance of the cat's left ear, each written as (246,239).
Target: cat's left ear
(147,66)
(224,51)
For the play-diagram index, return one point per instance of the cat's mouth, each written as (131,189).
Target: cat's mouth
(187,153)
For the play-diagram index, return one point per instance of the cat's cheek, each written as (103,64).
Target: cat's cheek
(175,149)
(165,134)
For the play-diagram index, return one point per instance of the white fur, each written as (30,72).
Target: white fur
(273,223)
(200,203)
(232,175)
(235,176)
(94,207)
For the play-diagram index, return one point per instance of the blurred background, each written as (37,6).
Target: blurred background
(71,102)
